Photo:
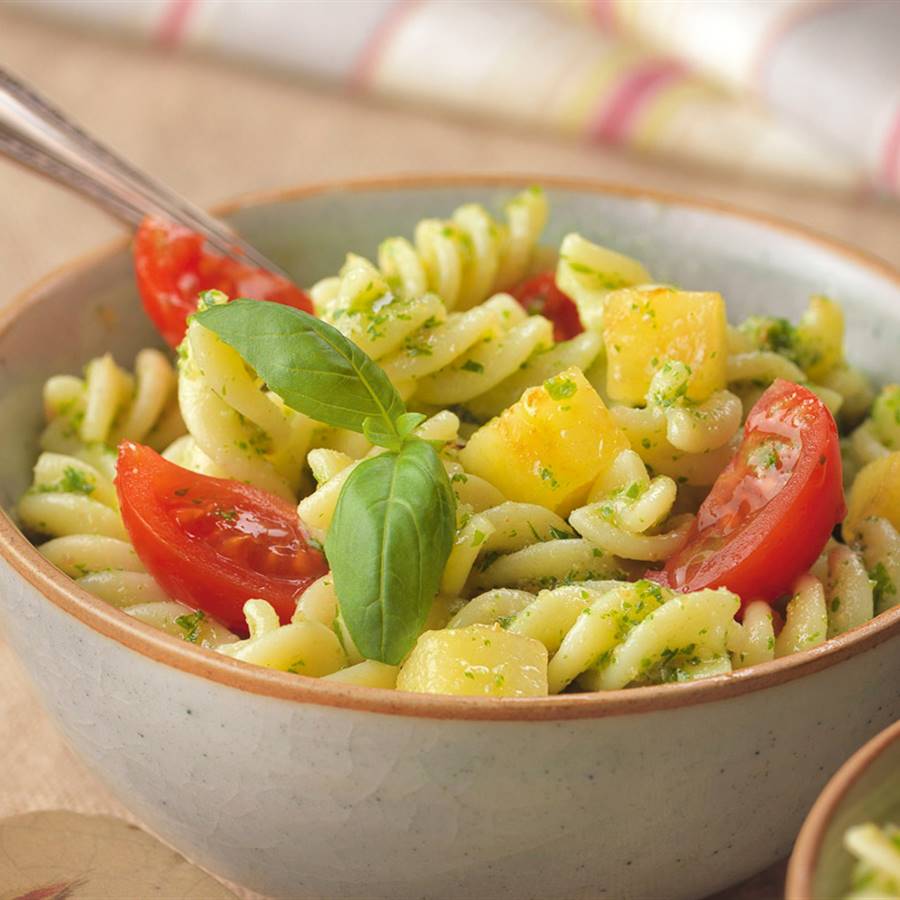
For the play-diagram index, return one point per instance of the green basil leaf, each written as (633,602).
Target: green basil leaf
(375,433)
(409,422)
(308,363)
(387,546)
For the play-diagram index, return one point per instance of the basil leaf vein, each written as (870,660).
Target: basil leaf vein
(308,363)
(387,546)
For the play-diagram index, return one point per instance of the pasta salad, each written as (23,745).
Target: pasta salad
(475,466)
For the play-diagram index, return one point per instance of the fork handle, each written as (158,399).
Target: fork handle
(40,137)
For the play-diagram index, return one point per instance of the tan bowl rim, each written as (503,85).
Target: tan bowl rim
(808,847)
(64,593)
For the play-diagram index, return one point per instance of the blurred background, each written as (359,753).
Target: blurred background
(787,107)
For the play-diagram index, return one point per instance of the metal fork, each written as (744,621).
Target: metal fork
(40,137)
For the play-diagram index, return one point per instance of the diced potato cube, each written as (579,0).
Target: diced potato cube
(550,446)
(875,493)
(480,660)
(644,327)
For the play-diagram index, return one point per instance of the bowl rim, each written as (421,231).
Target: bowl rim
(808,846)
(25,560)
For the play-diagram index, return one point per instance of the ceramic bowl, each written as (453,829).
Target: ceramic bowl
(299,788)
(865,789)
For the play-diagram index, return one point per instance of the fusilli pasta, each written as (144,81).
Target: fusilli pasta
(578,467)
(237,428)
(467,257)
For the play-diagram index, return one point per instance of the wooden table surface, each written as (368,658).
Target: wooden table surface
(212,132)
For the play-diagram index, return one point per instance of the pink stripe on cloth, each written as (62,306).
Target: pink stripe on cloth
(364,70)
(890,161)
(173,21)
(605,13)
(619,111)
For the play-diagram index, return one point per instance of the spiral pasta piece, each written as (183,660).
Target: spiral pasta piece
(492,606)
(624,509)
(69,497)
(806,618)
(85,416)
(469,256)
(879,544)
(237,428)
(583,351)
(753,641)
(854,389)
(519,545)
(691,442)
(848,591)
(682,640)
(588,272)
(368,673)
(812,352)
(438,358)
(875,437)
(647,431)
(834,597)
(498,355)
(193,626)
(106,567)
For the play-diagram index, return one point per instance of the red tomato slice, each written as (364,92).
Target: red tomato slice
(539,295)
(773,508)
(172,268)
(212,543)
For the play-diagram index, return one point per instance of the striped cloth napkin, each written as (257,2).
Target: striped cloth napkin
(807,90)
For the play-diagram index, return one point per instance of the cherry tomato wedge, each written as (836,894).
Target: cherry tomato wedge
(773,508)
(539,295)
(172,268)
(212,543)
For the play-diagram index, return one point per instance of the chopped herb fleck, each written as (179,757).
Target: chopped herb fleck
(559,388)
(884,586)
(190,625)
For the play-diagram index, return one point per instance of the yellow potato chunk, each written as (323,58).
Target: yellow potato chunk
(644,327)
(550,446)
(478,661)
(875,493)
